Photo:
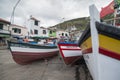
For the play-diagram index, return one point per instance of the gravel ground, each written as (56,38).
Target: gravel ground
(54,69)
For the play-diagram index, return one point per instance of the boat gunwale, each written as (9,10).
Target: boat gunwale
(86,34)
(31,45)
(105,29)
(108,30)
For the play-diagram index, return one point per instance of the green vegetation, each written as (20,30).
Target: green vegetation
(79,23)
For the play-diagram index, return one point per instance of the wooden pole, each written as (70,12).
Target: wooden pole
(115,17)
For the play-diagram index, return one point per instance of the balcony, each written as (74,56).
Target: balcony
(4,33)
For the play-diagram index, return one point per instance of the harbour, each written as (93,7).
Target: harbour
(84,48)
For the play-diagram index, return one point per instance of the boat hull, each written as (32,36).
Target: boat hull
(106,62)
(100,48)
(25,54)
(70,53)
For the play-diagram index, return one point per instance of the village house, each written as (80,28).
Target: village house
(63,33)
(52,33)
(34,27)
(4,32)
(18,31)
(8,31)
(75,34)
(37,31)
(44,32)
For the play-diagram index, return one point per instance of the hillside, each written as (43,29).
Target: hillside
(79,23)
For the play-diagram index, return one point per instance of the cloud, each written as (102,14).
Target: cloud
(49,12)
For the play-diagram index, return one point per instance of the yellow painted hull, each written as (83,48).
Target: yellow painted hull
(107,45)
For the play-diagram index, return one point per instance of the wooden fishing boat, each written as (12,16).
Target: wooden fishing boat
(70,52)
(24,53)
(100,45)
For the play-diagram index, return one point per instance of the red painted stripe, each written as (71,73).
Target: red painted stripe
(68,44)
(104,52)
(87,51)
(68,60)
(59,45)
(60,50)
(70,49)
(109,53)
(32,53)
(25,58)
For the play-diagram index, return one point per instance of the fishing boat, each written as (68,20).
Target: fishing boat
(70,52)
(100,46)
(24,53)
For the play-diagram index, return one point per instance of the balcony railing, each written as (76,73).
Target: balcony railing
(4,31)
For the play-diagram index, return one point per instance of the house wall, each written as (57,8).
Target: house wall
(5,29)
(53,34)
(41,32)
(33,27)
(4,33)
(5,26)
(59,33)
(24,30)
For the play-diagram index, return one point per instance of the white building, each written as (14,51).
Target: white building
(34,27)
(19,31)
(43,32)
(60,33)
(4,31)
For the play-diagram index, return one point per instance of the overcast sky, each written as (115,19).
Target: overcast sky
(49,12)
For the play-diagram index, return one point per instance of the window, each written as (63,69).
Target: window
(66,35)
(44,31)
(19,30)
(16,30)
(50,32)
(62,34)
(1,26)
(35,31)
(36,23)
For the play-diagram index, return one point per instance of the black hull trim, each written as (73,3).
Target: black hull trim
(102,28)
(108,30)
